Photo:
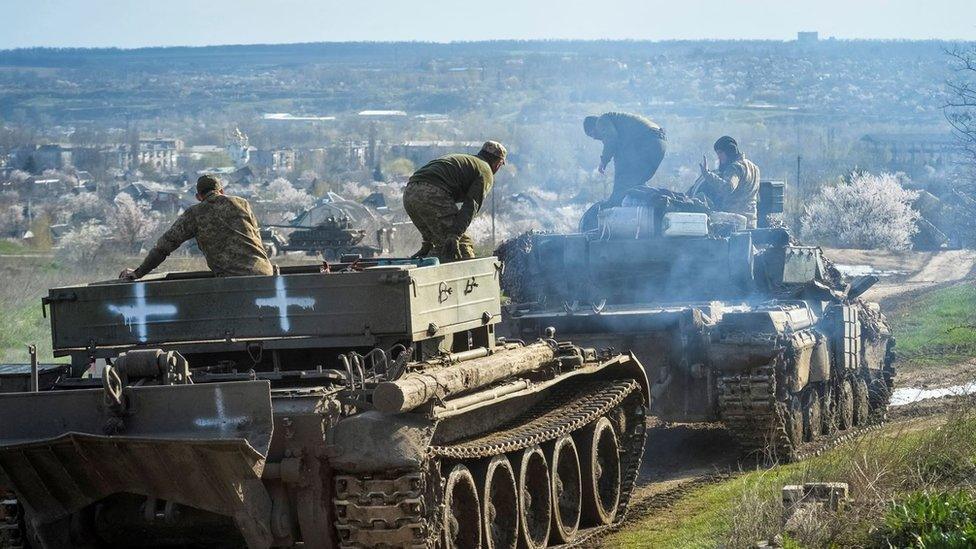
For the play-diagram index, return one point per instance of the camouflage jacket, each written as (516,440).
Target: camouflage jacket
(465,177)
(226,232)
(734,188)
(617,130)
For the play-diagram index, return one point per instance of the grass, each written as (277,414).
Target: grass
(7,247)
(882,468)
(937,327)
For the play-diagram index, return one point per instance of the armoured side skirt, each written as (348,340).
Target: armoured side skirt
(203,446)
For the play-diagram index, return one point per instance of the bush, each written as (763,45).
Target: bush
(945,520)
(864,211)
(81,246)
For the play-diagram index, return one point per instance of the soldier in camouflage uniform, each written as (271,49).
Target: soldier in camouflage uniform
(433,192)
(634,144)
(735,186)
(226,231)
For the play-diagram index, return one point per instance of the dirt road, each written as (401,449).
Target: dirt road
(902,272)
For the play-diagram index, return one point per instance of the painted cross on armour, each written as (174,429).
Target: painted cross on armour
(139,313)
(281,301)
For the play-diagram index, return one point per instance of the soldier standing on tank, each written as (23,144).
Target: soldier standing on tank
(734,187)
(226,232)
(433,192)
(634,144)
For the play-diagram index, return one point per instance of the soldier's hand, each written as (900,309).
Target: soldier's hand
(127,274)
(452,247)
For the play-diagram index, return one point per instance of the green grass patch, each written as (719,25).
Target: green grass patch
(938,326)
(24,324)
(880,468)
(943,519)
(9,247)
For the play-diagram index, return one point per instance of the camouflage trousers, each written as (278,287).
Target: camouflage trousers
(432,211)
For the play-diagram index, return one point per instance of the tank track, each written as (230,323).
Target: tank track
(749,408)
(401,511)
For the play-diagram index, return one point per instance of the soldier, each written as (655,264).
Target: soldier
(635,145)
(434,190)
(226,231)
(735,186)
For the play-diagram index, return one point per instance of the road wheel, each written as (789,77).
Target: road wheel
(862,405)
(845,405)
(828,410)
(499,503)
(567,489)
(535,498)
(812,420)
(462,516)
(600,465)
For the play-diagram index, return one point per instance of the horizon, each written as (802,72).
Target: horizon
(119,24)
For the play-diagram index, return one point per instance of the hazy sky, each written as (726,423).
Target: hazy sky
(135,23)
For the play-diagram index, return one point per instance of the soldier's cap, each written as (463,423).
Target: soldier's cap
(726,143)
(207,184)
(495,149)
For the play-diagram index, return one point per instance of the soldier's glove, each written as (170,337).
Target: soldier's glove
(424,250)
(127,274)
(452,247)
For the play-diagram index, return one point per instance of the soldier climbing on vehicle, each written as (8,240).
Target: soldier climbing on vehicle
(433,192)
(735,186)
(225,229)
(634,144)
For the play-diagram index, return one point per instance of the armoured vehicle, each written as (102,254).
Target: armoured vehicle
(334,238)
(364,405)
(746,327)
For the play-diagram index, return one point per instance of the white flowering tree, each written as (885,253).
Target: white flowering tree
(132,223)
(12,220)
(83,244)
(280,201)
(864,211)
(75,208)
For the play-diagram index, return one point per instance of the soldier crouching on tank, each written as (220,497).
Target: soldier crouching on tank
(634,144)
(226,231)
(434,190)
(735,186)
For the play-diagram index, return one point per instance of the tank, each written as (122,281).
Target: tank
(363,404)
(335,238)
(745,327)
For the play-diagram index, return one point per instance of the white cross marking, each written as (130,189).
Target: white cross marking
(221,420)
(281,301)
(138,314)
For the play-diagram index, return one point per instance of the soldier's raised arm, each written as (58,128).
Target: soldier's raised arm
(182,230)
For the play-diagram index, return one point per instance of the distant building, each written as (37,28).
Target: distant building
(422,151)
(160,153)
(807,37)
(52,157)
(911,151)
(278,161)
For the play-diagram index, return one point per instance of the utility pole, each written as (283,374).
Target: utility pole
(798,160)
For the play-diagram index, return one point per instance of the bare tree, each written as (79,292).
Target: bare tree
(960,106)
(960,112)
(131,222)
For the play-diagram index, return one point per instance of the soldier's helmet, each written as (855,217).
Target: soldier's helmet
(495,149)
(207,184)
